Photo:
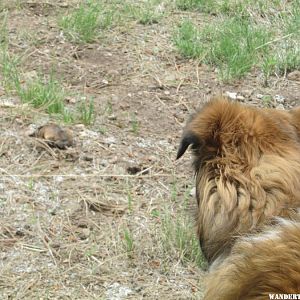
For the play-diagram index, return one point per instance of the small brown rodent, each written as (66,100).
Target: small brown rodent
(54,136)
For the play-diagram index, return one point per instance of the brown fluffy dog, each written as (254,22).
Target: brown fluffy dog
(247,164)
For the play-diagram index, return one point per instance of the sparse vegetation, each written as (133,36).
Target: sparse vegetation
(148,13)
(128,242)
(48,94)
(84,24)
(238,44)
(135,127)
(87,112)
(179,238)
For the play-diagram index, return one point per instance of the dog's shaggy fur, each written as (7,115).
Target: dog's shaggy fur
(247,164)
(263,264)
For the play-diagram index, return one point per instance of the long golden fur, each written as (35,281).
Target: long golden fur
(247,164)
(263,264)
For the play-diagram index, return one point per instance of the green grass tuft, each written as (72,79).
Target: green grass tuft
(179,238)
(87,112)
(231,46)
(46,94)
(246,40)
(85,23)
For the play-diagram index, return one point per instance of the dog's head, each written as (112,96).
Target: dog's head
(223,127)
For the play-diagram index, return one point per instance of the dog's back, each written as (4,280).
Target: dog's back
(259,265)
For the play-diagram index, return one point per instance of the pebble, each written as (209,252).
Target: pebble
(79,127)
(279,99)
(110,140)
(193,192)
(240,98)
(295,75)
(231,95)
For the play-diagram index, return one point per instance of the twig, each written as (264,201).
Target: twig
(179,86)
(275,40)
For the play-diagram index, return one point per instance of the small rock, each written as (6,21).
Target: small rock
(280,107)
(79,127)
(104,163)
(31,129)
(71,100)
(117,292)
(6,103)
(110,140)
(112,117)
(259,96)
(193,192)
(231,95)
(113,73)
(279,99)
(295,75)
(89,134)
(247,93)
(240,98)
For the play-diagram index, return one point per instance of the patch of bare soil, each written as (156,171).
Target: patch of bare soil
(68,217)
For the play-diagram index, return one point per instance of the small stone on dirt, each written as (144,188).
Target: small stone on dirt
(193,192)
(110,140)
(295,75)
(231,95)
(240,98)
(79,127)
(279,99)
(112,117)
(117,292)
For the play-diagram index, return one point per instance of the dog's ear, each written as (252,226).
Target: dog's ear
(188,138)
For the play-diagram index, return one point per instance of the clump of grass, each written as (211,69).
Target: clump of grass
(85,23)
(232,46)
(128,242)
(239,44)
(87,112)
(189,41)
(135,125)
(146,14)
(68,116)
(9,70)
(48,95)
(178,236)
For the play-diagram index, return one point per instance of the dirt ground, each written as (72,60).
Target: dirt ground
(66,214)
